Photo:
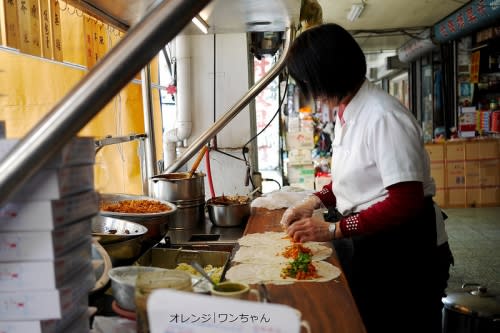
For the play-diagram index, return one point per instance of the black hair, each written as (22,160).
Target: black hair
(326,62)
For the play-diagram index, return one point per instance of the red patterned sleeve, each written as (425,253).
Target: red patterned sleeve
(326,196)
(404,200)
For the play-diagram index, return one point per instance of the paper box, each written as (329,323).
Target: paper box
(300,173)
(299,156)
(78,151)
(78,324)
(300,140)
(38,275)
(47,214)
(48,304)
(49,184)
(43,245)
(436,152)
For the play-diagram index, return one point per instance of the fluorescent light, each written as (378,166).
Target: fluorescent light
(200,23)
(355,12)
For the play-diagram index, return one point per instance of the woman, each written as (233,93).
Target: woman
(381,185)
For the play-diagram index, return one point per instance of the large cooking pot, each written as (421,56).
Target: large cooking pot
(178,186)
(474,310)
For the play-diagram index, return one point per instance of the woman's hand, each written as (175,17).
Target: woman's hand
(300,211)
(310,229)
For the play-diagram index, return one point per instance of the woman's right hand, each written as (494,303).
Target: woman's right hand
(302,210)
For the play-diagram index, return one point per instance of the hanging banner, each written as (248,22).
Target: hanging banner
(475,15)
(416,47)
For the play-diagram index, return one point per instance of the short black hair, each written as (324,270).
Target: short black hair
(326,62)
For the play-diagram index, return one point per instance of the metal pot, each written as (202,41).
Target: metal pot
(471,311)
(228,211)
(190,214)
(177,186)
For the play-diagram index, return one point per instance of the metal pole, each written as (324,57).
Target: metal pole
(233,112)
(141,43)
(149,153)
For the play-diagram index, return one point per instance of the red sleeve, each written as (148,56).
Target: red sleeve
(326,196)
(403,201)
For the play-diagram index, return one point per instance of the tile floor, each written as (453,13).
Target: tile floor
(474,238)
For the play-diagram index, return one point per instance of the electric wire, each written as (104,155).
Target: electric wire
(244,149)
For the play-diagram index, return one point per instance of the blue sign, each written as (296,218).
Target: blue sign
(473,16)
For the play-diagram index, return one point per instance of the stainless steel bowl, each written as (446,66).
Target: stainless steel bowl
(157,223)
(229,211)
(112,230)
(123,284)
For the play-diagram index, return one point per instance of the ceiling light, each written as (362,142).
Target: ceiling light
(355,12)
(200,23)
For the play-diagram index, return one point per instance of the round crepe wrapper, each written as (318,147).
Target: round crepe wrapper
(271,273)
(272,254)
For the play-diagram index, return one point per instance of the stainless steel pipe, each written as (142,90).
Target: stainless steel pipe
(141,43)
(233,112)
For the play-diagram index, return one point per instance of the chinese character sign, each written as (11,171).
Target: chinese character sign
(475,15)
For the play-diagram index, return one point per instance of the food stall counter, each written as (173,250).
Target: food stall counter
(327,306)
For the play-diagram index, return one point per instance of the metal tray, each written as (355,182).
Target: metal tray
(170,258)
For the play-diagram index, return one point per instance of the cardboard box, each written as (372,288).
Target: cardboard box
(455,174)
(299,156)
(436,152)
(472,177)
(300,174)
(50,184)
(456,198)
(489,172)
(47,214)
(43,275)
(48,304)
(489,149)
(472,150)
(78,151)
(455,151)
(300,140)
(440,198)
(438,173)
(43,245)
(473,197)
(490,196)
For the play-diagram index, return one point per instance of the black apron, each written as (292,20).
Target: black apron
(398,276)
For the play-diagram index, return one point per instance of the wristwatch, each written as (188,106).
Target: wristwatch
(332,228)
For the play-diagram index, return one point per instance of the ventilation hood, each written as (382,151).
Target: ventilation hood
(223,16)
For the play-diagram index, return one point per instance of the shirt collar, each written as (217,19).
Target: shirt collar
(353,107)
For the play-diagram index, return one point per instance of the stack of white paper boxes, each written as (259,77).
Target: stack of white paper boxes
(299,144)
(46,268)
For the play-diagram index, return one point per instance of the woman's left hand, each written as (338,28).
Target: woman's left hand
(310,229)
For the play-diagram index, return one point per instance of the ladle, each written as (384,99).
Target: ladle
(200,270)
(197,161)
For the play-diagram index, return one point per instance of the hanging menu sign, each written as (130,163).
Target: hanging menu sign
(55,25)
(9,20)
(475,15)
(47,43)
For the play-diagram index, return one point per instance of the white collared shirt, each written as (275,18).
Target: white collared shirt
(380,144)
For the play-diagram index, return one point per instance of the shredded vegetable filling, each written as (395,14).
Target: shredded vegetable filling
(301,268)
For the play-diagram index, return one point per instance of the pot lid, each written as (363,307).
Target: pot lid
(475,300)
